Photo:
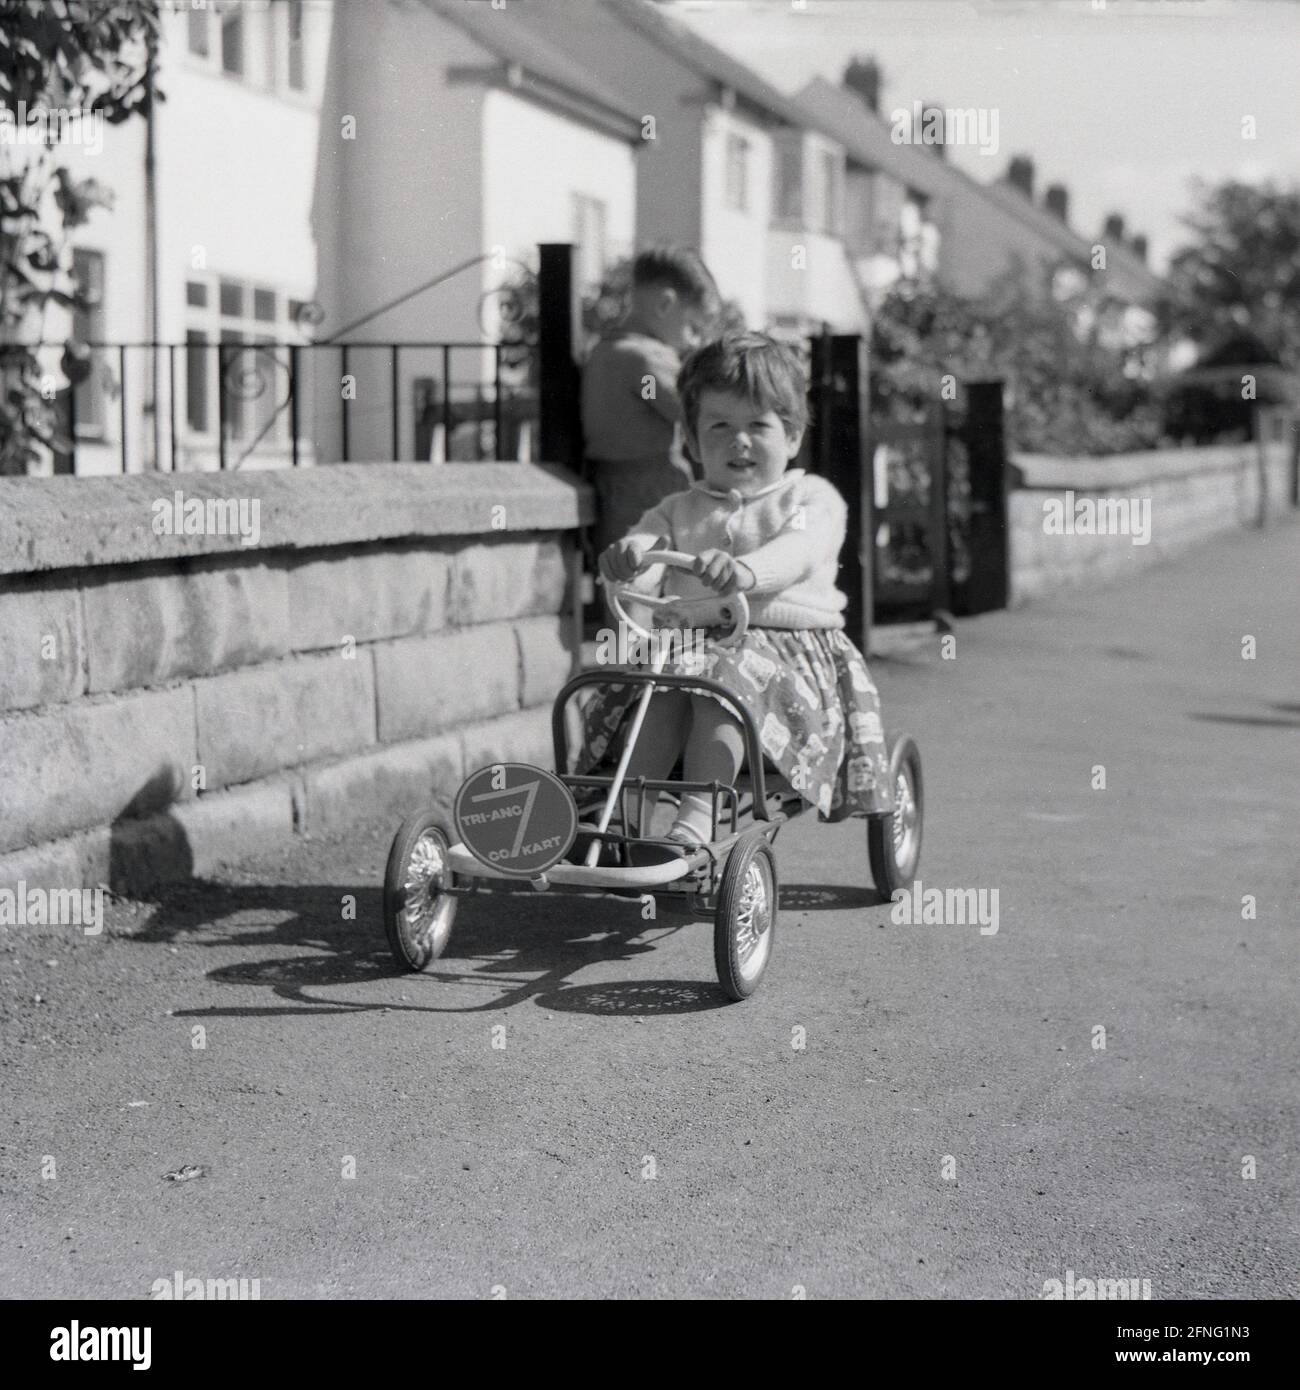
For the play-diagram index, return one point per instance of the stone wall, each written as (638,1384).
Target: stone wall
(1186,495)
(171,701)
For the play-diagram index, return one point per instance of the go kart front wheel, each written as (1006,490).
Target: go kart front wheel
(894,840)
(418,912)
(745,924)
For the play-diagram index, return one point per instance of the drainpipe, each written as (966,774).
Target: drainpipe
(151,256)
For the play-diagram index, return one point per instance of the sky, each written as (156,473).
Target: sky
(1124,103)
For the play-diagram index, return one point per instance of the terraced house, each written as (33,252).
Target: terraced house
(351,302)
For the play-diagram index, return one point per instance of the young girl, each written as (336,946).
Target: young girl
(773,533)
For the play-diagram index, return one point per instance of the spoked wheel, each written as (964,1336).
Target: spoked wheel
(418,913)
(745,924)
(894,840)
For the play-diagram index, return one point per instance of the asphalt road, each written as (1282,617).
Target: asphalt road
(526,1168)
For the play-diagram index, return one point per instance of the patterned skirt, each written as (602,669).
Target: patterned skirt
(812,699)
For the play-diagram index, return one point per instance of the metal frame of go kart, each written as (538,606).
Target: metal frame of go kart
(732,878)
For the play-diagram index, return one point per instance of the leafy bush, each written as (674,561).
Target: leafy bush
(1074,385)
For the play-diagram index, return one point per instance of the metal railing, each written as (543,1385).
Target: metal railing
(201,404)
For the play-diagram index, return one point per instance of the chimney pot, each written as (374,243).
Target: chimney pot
(1020,174)
(864,77)
(1114,227)
(1057,201)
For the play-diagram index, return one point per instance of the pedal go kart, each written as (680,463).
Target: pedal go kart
(514,825)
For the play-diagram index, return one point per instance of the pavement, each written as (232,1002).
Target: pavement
(566,1106)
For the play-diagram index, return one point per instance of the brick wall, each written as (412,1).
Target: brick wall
(170,702)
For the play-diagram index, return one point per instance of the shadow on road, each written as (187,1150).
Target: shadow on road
(635,998)
(1268,721)
(819,897)
(522,949)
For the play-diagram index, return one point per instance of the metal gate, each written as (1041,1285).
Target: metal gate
(927,498)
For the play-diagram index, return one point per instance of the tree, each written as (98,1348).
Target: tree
(88,59)
(1243,269)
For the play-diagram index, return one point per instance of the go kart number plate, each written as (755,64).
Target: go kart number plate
(516,819)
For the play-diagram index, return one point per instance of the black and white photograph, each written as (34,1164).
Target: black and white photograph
(649,652)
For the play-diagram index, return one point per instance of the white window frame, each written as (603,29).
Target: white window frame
(211,322)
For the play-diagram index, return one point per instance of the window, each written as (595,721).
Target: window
(240,324)
(888,197)
(245,39)
(910,223)
(589,236)
(88,327)
(737,179)
(232,40)
(789,183)
(198,33)
(232,299)
(232,365)
(196,380)
(297,73)
(827,212)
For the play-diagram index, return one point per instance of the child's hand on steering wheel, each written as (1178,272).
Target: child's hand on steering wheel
(623,560)
(723,573)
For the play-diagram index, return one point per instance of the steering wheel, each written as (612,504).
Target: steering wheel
(731,608)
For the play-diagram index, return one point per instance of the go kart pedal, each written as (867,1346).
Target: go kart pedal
(683,844)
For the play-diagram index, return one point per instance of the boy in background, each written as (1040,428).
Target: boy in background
(630,406)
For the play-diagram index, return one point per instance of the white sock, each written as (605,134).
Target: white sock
(695,816)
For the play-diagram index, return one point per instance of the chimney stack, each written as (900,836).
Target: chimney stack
(863,76)
(1057,202)
(1020,175)
(1139,247)
(1114,227)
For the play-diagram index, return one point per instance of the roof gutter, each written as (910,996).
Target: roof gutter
(523,82)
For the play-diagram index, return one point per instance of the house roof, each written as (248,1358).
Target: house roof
(694,51)
(866,137)
(534,66)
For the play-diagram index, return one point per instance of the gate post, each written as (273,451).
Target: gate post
(558,336)
(839,454)
(988,584)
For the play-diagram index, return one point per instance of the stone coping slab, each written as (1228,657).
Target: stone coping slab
(78,523)
(1113,471)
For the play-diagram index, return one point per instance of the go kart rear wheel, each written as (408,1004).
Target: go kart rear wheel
(418,913)
(745,923)
(894,840)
